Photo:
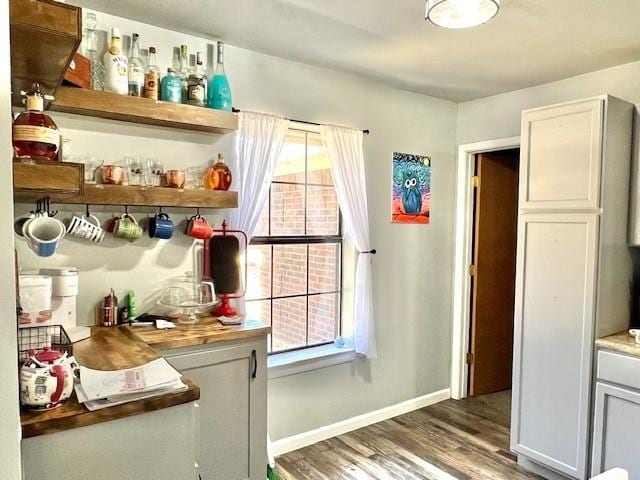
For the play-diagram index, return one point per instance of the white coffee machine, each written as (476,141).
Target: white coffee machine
(63,298)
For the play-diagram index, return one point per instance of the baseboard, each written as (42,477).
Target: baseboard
(289,444)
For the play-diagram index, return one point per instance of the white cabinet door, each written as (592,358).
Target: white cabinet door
(616,430)
(560,156)
(554,320)
(233,407)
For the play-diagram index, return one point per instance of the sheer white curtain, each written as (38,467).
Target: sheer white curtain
(259,141)
(345,148)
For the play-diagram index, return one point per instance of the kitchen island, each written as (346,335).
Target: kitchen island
(164,430)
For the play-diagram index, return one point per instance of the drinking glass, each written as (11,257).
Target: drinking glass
(194,177)
(134,170)
(91,166)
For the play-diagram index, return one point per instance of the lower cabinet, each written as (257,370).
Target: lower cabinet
(232,377)
(616,428)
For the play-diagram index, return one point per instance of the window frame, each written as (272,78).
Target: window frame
(303,239)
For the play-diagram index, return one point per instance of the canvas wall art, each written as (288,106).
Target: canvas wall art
(411,191)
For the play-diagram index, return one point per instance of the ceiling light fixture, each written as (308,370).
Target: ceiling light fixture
(461,13)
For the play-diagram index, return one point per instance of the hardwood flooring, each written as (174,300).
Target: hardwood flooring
(466,439)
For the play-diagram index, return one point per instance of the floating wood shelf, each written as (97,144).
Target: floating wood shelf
(143,110)
(44,36)
(137,196)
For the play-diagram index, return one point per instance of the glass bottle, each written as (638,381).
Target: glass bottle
(115,66)
(97,68)
(35,134)
(184,73)
(171,87)
(152,77)
(219,96)
(136,69)
(224,174)
(197,89)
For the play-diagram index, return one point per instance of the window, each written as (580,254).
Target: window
(295,257)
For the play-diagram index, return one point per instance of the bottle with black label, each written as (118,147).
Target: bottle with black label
(197,89)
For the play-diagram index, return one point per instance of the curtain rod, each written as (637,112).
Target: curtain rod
(366,131)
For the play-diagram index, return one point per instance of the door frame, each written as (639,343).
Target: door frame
(463,255)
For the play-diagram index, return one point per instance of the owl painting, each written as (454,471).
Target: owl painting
(411,193)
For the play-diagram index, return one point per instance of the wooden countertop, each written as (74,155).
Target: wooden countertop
(108,348)
(620,342)
(207,330)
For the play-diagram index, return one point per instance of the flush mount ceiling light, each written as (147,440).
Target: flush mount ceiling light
(461,13)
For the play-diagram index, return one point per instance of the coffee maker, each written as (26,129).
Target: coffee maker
(64,294)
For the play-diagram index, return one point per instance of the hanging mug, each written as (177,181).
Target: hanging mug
(198,227)
(161,226)
(127,227)
(44,235)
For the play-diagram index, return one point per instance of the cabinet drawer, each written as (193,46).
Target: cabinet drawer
(55,179)
(619,368)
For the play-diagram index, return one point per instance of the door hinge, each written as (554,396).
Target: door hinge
(475,181)
(472,270)
(469,358)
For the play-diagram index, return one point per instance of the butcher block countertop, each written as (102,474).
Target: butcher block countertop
(207,330)
(108,348)
(620,342)
(115,348)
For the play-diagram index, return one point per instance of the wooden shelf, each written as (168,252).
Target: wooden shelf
(134,196)
(44,36)
(142,110)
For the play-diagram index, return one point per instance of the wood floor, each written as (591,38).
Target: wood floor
(467,439)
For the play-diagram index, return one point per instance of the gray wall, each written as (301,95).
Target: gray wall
(499,116)
(412,270)
(9,420)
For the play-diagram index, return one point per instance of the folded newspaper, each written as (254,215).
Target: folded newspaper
(105,388)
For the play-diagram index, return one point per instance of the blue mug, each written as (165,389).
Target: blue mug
(161,227)
(44,234)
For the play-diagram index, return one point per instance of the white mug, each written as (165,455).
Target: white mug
(43,235)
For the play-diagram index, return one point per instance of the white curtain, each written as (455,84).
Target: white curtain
(259,141)
(345,148)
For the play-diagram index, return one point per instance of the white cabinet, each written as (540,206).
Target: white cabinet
(573,272)
(554,309)
(616,428)
(562,150)
(158,445)
(232,377)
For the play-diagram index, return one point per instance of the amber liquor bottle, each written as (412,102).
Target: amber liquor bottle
(35,134)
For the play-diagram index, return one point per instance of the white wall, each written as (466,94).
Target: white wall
(499,116)
(412,270)
(9,418)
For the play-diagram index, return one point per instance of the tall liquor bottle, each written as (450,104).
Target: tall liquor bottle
(136,69)
(219,96)
(97,68)
(35,134)
(184,72)
(115,66)
(152,77)
(197,93)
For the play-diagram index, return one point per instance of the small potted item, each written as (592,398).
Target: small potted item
(46,379)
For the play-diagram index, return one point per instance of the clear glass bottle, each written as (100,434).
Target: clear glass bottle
(171,87)
(197,89)
(184,72)
(219,96)
(97,68)
(115,66)
(35,134)
(136,68)
(152,77)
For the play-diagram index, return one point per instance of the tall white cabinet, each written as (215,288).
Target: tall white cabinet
(573,272)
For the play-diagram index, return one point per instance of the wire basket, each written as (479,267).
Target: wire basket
(35,339)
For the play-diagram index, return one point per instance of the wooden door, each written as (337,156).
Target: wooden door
(495,235)
(561,156)
(554,330)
